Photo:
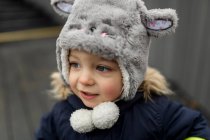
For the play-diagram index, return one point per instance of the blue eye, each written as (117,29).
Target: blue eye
(74,65)
(103,68)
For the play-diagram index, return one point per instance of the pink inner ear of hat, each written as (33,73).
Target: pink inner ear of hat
(159,24)
(64,6)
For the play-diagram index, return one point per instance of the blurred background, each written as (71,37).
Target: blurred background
(28,32)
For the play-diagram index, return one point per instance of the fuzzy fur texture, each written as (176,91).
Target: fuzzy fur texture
(127,37)
(162,14)
(103,116)
(81,121)
(105,119)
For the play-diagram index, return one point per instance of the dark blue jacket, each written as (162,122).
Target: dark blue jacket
(159,119)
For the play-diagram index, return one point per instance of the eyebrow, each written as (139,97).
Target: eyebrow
(107,60)
(70,55)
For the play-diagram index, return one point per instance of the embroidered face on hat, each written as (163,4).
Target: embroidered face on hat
(112,29)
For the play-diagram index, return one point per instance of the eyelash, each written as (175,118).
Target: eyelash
(100,68)
(74,65)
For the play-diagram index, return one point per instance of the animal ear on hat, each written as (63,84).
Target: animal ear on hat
(62,7)
(160,22)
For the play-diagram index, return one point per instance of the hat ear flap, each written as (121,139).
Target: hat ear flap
(160,22)
(62,7)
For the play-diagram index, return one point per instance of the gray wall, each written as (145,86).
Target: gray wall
(46,7)
(183,57)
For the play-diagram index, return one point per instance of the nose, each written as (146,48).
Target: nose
(86,78)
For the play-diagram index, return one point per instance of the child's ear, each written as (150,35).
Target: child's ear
(160,22)
(62,7)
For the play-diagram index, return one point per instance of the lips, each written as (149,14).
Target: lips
(88,95)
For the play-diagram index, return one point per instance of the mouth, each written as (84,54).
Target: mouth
(87,95)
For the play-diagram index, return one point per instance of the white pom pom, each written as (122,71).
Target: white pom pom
(81,121)
(105,115)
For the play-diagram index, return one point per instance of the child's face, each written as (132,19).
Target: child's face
(94,79)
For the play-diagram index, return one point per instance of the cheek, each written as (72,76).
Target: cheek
(112,90)
(72,81)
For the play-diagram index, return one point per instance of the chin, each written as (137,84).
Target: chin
(90,105)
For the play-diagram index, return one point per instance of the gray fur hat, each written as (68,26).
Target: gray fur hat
(113,29)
